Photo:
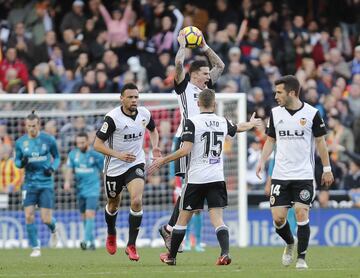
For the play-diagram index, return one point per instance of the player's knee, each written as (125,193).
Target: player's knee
(301,215)
(46,220)
(29,218)
(136,203)
(89,214)
(112,207)
(279,221)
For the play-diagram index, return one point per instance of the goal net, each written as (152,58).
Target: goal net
(64,116)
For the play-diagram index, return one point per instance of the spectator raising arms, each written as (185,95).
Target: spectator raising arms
(117,25)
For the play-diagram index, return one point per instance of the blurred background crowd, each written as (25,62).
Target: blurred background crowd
(94,46)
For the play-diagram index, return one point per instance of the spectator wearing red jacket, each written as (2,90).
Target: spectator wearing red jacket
(322,47)
(12,62)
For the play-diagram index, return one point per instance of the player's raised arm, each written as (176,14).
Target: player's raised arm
(217,65)
(179,59)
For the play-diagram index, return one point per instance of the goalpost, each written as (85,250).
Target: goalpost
(65,114)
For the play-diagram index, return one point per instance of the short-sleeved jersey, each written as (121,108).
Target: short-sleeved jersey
(207,132)
(87,167)
(122,132)
(295,133)
(42,153)
(187,95)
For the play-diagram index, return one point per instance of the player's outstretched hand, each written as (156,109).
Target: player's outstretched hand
(156,152)
(256,122)
(181,39)
(259,168)
(127,157)
(155,165)
(327,179)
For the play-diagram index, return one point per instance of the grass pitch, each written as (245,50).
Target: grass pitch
(247,262)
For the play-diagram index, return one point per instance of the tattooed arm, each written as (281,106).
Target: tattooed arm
(179,59)
(217,66)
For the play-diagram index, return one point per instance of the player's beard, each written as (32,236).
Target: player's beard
(281,103)
(133,108)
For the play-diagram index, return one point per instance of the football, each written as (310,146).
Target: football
(193,36)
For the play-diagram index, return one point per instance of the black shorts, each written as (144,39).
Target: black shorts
(286,192)
(114,185)
(193,196)
(181,163)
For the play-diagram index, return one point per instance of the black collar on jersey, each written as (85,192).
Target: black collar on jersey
(207,112)
(292,112)
(130,116)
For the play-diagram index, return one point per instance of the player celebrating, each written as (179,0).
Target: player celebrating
(120,138)
(295,127)
(203,138)
(34,152)
(187,88)
(87,165)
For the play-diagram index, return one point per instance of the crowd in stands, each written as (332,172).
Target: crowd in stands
(94,46)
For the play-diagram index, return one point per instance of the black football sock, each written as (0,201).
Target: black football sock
(135,218)
(303,234)
(175,214)
(285,233)
(110,219)
(178,234)
(222,233)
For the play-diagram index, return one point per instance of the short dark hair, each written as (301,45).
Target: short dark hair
(207,98)
(291,83)
(196,65)
(82,134)
(33,116)
(128,86)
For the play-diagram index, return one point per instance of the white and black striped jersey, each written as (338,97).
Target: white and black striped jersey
(207,132)
(187,95)
(295,132)
(122,132)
